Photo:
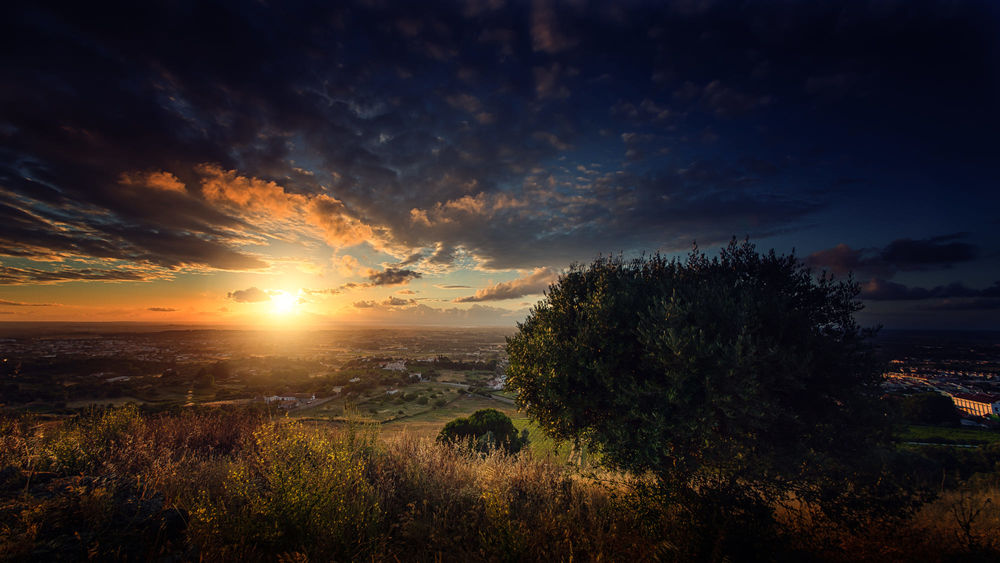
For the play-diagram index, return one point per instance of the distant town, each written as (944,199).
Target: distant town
(964,366)
(386,374)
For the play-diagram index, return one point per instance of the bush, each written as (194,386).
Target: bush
(486,429)
(297,491)
(929,408)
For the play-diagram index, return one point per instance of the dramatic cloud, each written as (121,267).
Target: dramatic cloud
(5,303)
(970,305)
(534,283)
(249,295)
(882,290)
(398,302)
(161,309)
(393,276)
(346,265)
(269,203)
(370,149)
(843,260)
(899,255)
(947,250)
(491,135)
(20,276)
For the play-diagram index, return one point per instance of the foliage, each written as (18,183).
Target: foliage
(929,408)
(735,381)
(227,485)
(488,429)
(296,492)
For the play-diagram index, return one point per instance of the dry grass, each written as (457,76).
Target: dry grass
(236,485)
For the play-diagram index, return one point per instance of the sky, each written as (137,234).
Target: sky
(441,163)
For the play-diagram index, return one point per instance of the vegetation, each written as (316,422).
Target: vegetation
(734,383)
(929,408)
(487,430)
(234,485)
(711,409)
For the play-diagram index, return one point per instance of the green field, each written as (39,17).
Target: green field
(945,435)
(425,421)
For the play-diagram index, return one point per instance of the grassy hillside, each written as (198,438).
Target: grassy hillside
(947,435)
(237,484)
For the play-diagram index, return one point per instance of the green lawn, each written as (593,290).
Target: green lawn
(944,435)
(429,421)
(425,421)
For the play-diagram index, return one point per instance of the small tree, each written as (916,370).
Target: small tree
(488,429)
(736,381)
(930,408)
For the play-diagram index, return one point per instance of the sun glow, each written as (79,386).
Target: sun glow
(283,303)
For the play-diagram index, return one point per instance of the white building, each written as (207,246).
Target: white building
(977,404)
(290,400)
(398,365)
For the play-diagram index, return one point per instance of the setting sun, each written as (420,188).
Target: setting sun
(284,303)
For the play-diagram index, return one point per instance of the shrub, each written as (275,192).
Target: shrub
(487,429)
(296,491)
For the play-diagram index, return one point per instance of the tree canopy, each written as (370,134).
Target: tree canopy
(487,429)
(930,408)
(741,377)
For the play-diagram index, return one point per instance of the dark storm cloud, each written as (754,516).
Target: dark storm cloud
(249,295)
(935,252)
(394,107)
(175,239)
(443,255)
(21,276)
(882,290)
(980,304)
(393,276)
(899,255)
(842,260)
(412,259)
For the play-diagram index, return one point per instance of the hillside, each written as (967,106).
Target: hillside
(235,484)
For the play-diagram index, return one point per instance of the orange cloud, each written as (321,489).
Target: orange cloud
(339,228)
(346,265)
(268,201)
(534,283)
(481,204)
(227,187)
(164,181)
(249,295)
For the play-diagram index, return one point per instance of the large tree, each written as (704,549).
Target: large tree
(734,381)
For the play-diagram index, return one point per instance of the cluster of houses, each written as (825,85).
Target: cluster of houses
(290,401)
